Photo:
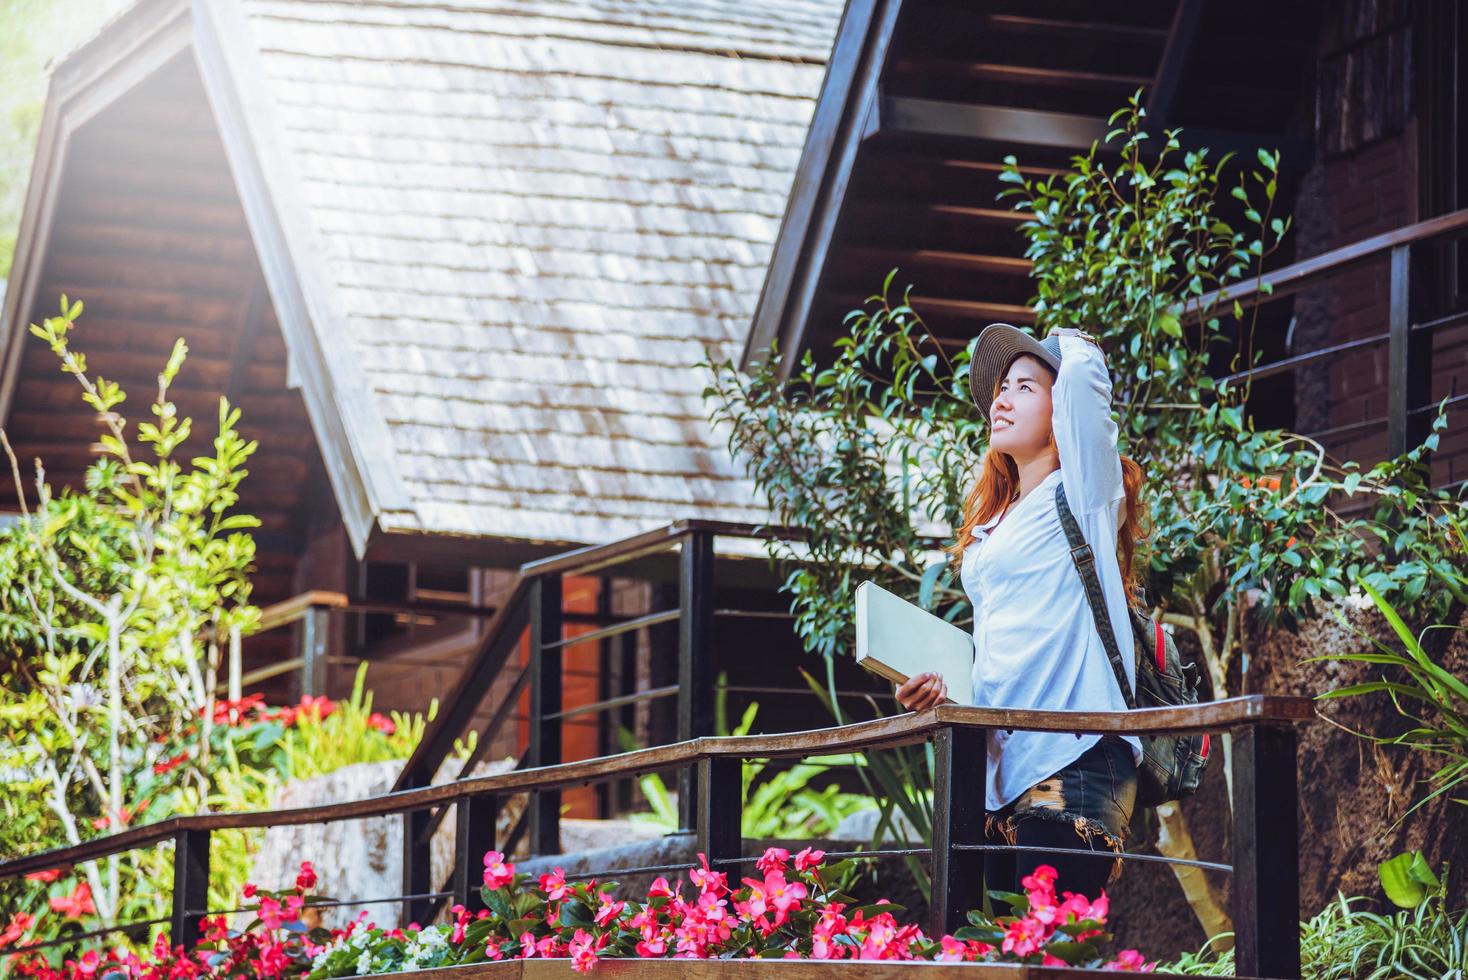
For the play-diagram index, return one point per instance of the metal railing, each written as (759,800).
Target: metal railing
(534,606)
(1264,840)
(1411,321)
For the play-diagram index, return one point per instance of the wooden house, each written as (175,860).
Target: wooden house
(455,263)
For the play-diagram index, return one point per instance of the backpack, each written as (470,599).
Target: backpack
(1172,765)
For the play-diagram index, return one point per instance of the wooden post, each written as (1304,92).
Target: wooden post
(1409,360)
(957,879)
(475,836)
(545,699)
(190,886)
(695,657)
(314,631)
(417,865)
(720,811)
(1266,853)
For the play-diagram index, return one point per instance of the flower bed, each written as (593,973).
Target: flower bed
(792,910)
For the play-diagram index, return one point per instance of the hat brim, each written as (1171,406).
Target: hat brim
(998,344)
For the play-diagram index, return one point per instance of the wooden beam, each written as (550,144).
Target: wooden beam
(1180,40)
(847,98)
(907,116)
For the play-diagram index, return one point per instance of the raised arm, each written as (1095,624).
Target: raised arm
(1085,435)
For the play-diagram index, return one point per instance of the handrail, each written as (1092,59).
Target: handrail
(504,629)
(1264,865)
(889,732)
(1307,272)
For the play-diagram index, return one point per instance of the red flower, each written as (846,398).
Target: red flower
(554,885)
(315,704)
(306,880)
(77,904)
(20,924)
(44,876)
(381,723)
(168,765)
(808,859)
(773,859)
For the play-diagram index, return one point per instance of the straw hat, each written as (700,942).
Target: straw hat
(1000,343)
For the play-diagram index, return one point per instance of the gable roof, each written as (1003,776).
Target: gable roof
(533,219)
(499,235)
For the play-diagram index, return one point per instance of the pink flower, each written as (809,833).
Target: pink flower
(1041,880)
(249,890)
(270,913)
(87,965)
(707,880)
(656,946)
(1024,936)
(554,885)
(658,889)
(783,895)
(44,876)
(381,723)
(773,859)
(497,873)
(608,911)
(952,950)
(584,949)
(1129,960)
(808,859)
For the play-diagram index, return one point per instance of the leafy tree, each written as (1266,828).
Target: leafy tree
(116,604)
(871,454)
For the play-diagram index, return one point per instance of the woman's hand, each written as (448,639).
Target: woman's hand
(1076,332)
(922,691)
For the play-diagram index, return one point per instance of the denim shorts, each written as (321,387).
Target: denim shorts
(1096,793)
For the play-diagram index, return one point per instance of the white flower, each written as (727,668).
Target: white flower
(362,940)
(432,938)
(364,963)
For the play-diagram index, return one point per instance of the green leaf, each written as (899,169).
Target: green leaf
(1405,879)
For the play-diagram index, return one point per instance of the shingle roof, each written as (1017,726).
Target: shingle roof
(533,218)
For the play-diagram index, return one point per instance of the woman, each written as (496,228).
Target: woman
(1035,640)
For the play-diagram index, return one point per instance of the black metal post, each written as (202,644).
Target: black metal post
(315,628)
(1409,359)
(720,810)
(695,657)
(545,700)
(417,865)
(957,878)
(190,886)
(476,817)
(1266,853)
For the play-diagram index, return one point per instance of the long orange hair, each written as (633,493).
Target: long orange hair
(998,484)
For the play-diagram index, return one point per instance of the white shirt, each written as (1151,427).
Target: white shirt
(1035,643)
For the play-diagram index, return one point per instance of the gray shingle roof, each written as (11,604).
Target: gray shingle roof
(534,216)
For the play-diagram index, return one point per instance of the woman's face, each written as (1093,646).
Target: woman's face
(1019,417)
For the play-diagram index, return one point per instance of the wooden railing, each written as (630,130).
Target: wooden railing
(535,605)
(1264,853)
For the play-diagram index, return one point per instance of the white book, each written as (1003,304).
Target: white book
(896,639)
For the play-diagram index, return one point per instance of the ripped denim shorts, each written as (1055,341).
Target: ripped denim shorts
(1096,793)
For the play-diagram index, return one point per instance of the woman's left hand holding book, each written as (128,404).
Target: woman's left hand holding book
(922,691)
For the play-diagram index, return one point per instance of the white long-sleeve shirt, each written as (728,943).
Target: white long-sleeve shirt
(1035,643)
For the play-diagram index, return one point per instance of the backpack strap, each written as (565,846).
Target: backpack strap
(1085,562)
